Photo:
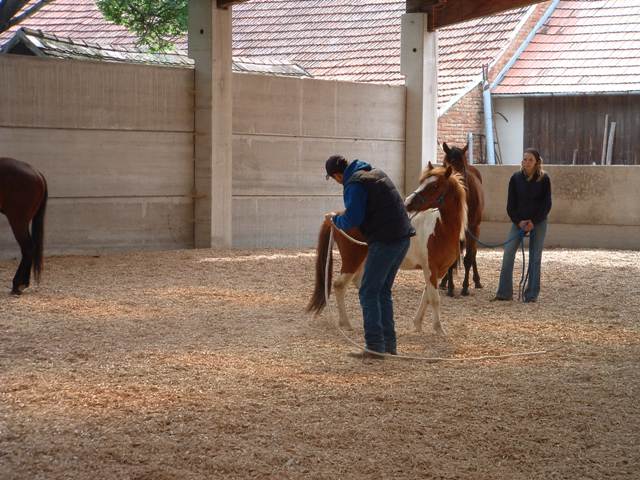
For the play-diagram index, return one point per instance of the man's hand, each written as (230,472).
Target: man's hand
(328,217)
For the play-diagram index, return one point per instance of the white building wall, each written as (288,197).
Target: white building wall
(509,122)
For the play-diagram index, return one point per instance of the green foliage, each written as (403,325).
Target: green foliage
(157,23)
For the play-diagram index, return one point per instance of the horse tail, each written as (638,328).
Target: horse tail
(318,300)
(37,233)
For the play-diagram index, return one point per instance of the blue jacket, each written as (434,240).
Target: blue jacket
(373,204)
(355,198)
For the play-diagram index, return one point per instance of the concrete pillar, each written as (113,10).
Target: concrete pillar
(419,65)
(210,47)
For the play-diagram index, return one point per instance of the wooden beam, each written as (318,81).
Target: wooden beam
(423,6)
(449,12)
(228,3)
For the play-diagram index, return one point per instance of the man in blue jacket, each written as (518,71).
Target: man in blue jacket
(374,205)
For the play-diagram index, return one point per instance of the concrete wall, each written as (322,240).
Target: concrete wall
(593,206)
(115,143)
(283,131)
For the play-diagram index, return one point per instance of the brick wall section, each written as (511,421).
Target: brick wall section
(467,115)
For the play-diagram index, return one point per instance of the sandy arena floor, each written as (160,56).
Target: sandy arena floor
(202,364)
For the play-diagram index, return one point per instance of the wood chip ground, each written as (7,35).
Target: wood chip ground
(202,364)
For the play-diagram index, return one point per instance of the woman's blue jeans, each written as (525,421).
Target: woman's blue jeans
(536,242)
(380,269)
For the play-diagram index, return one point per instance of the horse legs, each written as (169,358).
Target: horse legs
(339,288)
(417,321)
(467,265)
(434,300)
(447,282)
(470,262)
(27,247)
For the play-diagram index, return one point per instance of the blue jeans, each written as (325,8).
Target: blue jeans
(380,268)
(536,242)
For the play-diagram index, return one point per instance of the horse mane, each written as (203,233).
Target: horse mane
(456,182)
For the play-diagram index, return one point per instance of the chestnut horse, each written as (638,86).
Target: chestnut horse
(440,221)
(457,158)
(23,199)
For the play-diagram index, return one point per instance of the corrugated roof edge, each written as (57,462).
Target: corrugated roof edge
(35,41)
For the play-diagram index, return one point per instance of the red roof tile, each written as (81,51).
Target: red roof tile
(588,46)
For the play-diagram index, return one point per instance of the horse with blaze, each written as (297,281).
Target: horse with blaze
(440,219)
(23,199)
(457,158)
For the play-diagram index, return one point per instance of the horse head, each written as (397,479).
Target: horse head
(435,185)
(456,157)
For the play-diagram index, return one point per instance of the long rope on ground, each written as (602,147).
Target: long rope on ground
(403,357)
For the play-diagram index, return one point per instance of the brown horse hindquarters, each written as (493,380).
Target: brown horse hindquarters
(352,256)
(23,199)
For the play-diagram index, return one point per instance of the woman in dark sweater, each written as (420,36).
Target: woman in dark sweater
(528,205)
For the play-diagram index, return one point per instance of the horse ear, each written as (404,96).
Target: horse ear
(446,148)
(466,147)
(429,166)
(448,172)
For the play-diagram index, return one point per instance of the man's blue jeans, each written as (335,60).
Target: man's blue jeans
(536,242)
(382,264)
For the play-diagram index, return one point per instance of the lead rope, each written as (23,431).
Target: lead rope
(401,357)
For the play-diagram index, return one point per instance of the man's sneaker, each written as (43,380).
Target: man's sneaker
(501,299)
(367,354)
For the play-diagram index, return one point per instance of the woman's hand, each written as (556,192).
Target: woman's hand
(526,225)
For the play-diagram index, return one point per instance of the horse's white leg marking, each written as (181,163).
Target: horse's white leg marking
(417,321)
(434,299)
(357,277)
(340,287)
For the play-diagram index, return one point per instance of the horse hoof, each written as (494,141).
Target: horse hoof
(479,285)
(450,293)
(464,293)
(16,292)
(440,331)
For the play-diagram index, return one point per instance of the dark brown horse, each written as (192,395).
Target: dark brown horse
(457,158)
(440,201)
(23,199)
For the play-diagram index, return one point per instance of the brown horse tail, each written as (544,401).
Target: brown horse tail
(37,234)
(318,302)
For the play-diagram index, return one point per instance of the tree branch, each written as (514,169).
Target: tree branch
(9,8)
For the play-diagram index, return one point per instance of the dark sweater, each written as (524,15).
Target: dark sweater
(528,199)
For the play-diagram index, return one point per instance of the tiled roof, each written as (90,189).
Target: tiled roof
(75,19)
(360,41)
(463,50)
(43,44)
(331,39)
(590,46)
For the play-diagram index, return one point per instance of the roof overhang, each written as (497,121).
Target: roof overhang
(448,12)
(566,94)
(228,3)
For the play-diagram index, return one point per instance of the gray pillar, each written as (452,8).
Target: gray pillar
(210,47)
(419,65)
